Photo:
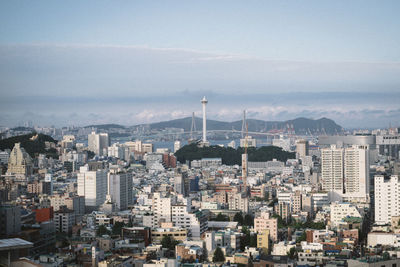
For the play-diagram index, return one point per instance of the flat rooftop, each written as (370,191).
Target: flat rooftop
(14,243)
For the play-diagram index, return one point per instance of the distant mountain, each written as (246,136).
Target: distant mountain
(106,126)
(300,125)
(32,143)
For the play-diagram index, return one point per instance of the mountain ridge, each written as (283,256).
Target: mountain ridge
(300,125)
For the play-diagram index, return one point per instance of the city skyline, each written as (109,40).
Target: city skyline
(200,133)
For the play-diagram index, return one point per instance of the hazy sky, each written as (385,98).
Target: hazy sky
(83,62)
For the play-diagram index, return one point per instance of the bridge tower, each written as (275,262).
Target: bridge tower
(244,123)
(192,129)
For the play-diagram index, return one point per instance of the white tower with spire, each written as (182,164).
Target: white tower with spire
(204,102)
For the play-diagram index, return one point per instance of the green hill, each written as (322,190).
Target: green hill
(33,147)
(231,156)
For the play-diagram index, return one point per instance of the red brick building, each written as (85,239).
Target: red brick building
(44,214)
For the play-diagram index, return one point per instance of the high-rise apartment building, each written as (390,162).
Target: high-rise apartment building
(98,143)
(120,189)
(302,148)
(387,198)
(161,208)
(345,171)
(332,169)
(356,173)
(179,183)
(93,186)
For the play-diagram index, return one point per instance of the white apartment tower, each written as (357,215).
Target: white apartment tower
(93,186)
(346,172)
(356,173)
(332,169)
(98,143)
(387,198)
(161,208)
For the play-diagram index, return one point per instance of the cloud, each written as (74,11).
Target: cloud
(84,84)
(109,70)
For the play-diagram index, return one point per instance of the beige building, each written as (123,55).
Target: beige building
(264,222)
(238,201)
(19,163)
(302,148)
(297,200)
(74,203)
(263,240)
(176,233)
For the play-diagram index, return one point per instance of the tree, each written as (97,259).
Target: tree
(169,243)
(248,220)
(166,242)
(303,237)
(253,240)
(117,227)
(91,154)
(231,156)
(292,254)
(239,218)
(247,239)
(386,256)
(222,218)
(102,230)
(273,202)
(218,255)
(281,222)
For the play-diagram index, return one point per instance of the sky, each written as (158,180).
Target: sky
(129,62)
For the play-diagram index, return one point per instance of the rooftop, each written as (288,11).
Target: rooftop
(14,243)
